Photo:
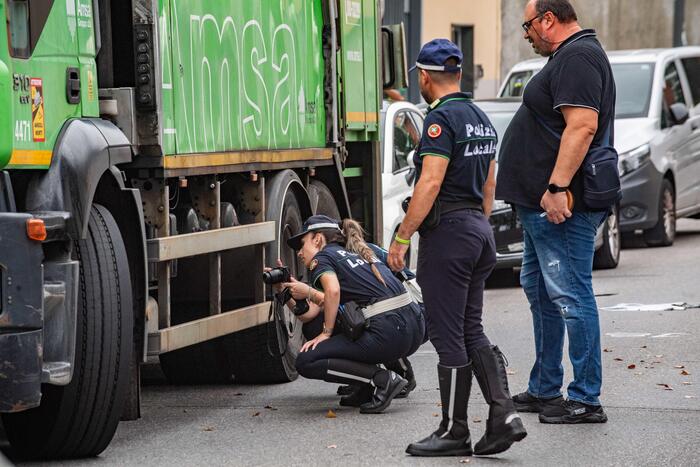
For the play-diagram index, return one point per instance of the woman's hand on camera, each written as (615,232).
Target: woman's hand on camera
(299,290)
(311,345)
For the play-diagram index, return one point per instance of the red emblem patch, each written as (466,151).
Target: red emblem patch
(434,130)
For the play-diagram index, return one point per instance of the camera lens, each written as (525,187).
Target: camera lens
(274,276)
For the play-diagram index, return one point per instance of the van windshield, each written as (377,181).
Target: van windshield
(632,82)
(633,87)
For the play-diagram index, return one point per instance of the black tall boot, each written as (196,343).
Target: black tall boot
(504,426)
(452,437)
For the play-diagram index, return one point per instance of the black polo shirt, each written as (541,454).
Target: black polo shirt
(459,131)
(577,74)
(357,282)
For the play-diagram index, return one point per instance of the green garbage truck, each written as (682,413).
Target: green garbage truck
(155,155)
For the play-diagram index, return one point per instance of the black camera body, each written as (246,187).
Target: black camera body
(277,275)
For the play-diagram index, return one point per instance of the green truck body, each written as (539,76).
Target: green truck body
(154,156)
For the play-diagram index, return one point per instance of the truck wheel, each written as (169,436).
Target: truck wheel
(322,201)
(664,232)
(608,255)
(79,420)
(267,353)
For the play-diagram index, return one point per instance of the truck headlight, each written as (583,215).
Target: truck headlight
(634,159)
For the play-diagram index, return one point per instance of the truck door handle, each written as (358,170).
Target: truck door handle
(72,85)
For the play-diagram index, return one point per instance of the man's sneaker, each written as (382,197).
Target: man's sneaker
(407,390)
(525,402)
(573,412)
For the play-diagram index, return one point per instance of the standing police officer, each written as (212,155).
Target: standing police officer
(450,206)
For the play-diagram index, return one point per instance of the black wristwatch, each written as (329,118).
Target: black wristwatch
(554,188)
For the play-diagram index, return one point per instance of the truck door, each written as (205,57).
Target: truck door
(46,78)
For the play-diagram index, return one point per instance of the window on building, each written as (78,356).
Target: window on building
(463,37)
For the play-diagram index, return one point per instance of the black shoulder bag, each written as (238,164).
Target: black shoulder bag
(601,178)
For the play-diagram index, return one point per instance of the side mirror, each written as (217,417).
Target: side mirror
(6,120)
(394,66)
(409,159)
(679,113)
(411,174)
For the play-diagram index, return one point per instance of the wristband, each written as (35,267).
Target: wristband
(401,240)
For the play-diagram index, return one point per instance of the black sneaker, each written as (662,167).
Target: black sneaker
(525,402)
(573,412)
(346,389)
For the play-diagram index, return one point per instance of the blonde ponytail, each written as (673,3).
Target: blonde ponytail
(355,243)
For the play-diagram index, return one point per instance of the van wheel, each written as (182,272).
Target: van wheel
(79,420)
(664,232)
(608,255)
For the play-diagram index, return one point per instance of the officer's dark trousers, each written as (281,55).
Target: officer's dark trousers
(390,336)
(454,260)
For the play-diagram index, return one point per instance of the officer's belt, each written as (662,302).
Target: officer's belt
(449,206)
(387,305)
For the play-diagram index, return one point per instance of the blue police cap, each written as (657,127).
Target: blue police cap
(318,222)
(434,55)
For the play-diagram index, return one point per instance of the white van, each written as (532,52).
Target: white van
(657,134)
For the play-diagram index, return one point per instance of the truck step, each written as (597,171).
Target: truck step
(210,241)
(211,327)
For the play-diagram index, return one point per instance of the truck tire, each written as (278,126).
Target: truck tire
(664,232)
(79,420)
(267,353)
(322,201)
(608,255)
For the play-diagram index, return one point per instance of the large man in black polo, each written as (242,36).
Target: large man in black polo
(567,107)
(455,175)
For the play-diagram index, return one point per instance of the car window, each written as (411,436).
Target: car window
(406,138)
(692,71)
(633,85)
(516,83)
(672,93)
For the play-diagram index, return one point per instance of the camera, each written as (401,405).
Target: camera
(277,275)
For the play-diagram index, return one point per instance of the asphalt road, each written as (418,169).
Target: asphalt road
(653,409)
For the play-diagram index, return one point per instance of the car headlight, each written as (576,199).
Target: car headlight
(634,159)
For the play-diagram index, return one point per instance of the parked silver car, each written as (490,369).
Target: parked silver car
(657,134)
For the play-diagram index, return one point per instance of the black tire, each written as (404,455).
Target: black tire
(79,420)
(267,353)
(664,232)
(322,201)
(608,255)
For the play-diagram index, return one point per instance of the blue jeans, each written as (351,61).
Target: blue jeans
(557,279)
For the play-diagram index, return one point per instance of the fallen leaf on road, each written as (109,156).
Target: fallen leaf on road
(332,446)
(617,359)
(690,397)
(631,366)
(607,350)
(464,461)
(436,415)
(679,366)
(510,372)
(269,407)
(686,383)
(643,347)
(208,428)
(641,361)
(665,386)
(439,404)
(476,420)
(255,414)
(685,372)
(330,414)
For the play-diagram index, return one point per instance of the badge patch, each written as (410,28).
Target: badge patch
(434,130)
(314,263)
